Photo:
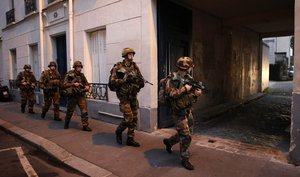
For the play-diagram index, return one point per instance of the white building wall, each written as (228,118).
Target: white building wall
(278,44)
(128,23)
(19,38)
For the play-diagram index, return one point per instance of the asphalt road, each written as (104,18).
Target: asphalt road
(19,159)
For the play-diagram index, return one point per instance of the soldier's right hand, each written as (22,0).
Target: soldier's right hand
(76,84)
(188,87)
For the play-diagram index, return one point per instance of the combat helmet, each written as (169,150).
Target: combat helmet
(184,63)
(27,66)
(127,50)
(77,63)
(52,63)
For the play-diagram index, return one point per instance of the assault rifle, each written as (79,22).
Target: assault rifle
(28,84)
(197,85)
(75,90)
(131,76)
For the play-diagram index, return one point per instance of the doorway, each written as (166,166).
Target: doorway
(174,39)
(61,60)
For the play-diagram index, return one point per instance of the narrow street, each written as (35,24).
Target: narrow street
(21,159)
(265,121)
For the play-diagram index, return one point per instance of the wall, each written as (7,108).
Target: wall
(227,60)
(265,67)
(19,36)
(128,23)
(295,131)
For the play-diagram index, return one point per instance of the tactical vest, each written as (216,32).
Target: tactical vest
(53,79)
(184,101)
(126,89)
(28,78)
(73,78)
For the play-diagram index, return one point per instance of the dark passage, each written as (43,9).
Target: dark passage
(265,121)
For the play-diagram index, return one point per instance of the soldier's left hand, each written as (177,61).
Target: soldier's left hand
(197,92)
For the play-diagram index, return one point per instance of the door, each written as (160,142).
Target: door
(174,38)
(61,60)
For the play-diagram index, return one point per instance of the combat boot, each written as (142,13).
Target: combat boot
(131,142)
(23,109)
(43,115)
(86,128)
(66,124)
(186,164)
(168,146)
(57,119)
(31,111)
(119,136)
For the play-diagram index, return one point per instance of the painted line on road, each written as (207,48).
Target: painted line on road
(24,161)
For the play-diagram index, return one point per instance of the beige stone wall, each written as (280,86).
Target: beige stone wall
(227,60)
(265,67)
(295,125)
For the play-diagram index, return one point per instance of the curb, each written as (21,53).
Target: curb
(57,152)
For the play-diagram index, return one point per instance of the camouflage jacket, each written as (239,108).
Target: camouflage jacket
(126,79)
(26,80)
(50,80)
(75,77)
(179,97)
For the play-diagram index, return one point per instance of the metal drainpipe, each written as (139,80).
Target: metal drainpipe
(71,33)
(41,27)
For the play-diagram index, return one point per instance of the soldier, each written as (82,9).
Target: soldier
(50,82)
(26,82)
(76,85)
(127,80)
(181,97)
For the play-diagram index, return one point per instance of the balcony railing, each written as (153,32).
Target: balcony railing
(30,6)
(97,91)
(10,16)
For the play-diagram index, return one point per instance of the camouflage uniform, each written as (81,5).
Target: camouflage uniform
(127,85)
(76,96)
(50,82)
(27,90)
(127,94)
(180,101)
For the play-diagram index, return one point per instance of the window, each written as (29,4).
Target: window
(13,64)
(30,6)
(97,51)
(34,60)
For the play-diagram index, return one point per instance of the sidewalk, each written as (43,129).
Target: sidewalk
(96,153)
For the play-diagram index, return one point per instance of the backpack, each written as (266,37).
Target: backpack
(163,97)
(111,86)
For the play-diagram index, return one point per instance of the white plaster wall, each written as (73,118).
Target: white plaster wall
(128,23)
(272,49)
(19,37)
(283,45)
(4,7)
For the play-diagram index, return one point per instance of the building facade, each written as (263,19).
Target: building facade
(226,45)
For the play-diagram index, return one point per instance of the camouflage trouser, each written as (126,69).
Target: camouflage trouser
(49,96)
(183,135)
(79,100)
(27,95)
(129,108)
